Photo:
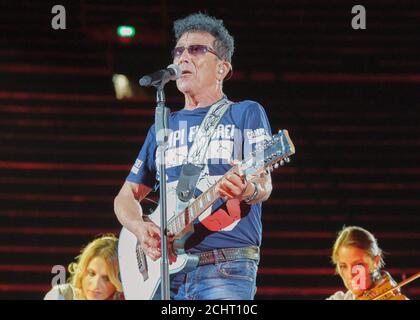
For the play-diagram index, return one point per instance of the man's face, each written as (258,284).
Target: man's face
(199,72)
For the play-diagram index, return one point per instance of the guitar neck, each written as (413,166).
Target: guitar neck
(269,153)
(184,218)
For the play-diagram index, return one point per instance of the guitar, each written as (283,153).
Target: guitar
(140,275)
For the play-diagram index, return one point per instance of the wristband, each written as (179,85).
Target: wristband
(254,195)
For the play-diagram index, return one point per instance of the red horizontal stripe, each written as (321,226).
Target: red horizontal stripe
(350,171)
(50,110)
(378,186)
(295,252)
(63,166)
(47,54)
(62,182)
(302,185)
(380,202)
(334,202)
(332,235)
(398,63)
(54,197)
(55,214)
(308,291)
(111,123)
(299,234)
(71,137)
(364,171)
(348,115)
(10,287)
(62,214)
(262,76)
(274,216)
(363,129)
(303,291)
(55,96)
(50,69)
(347,77)
(19,95)
(21,153)
(270,271)
(25,268)
(270,216)
(303,202)
(296,271)
(350,185)
(56,231)
(39,249)
(361,142)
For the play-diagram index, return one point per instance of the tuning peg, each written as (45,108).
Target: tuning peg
(276,165)
(287,159)
(282,162)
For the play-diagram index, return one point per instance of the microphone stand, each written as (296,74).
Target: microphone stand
(162,132)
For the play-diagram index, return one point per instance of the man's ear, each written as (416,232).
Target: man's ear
(227,70)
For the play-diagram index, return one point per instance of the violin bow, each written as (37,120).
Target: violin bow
(402,283)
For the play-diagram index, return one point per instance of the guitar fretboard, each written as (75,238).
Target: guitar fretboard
(272,151)
(181,220)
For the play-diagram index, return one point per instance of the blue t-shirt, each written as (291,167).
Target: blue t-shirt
(231,224)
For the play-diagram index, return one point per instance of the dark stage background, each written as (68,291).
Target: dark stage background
(349,98)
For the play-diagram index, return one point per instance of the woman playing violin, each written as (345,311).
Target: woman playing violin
(359,260)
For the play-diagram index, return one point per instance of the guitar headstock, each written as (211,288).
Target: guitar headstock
(269,155)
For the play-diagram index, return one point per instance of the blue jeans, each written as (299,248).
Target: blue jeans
(232,280)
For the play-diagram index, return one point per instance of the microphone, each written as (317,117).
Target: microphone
(161,77)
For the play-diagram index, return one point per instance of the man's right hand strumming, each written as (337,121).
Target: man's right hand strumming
(149,237)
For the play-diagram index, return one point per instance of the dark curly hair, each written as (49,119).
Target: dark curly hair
(200,22)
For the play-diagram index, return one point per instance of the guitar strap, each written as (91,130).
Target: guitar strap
(195,162)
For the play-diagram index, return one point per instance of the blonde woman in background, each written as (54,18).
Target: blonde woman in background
(94,275)
(359,260)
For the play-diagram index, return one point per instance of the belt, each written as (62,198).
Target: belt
(228,254)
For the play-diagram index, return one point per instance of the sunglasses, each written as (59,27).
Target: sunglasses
(194,50)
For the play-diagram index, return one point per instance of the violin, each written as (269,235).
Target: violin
(387,289)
